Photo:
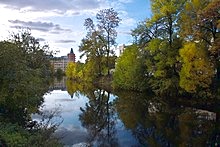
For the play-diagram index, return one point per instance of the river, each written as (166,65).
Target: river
(94,117)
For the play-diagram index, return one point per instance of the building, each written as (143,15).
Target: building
(71,56)
(61,62)
(121,49)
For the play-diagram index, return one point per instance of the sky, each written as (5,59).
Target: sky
(59,23)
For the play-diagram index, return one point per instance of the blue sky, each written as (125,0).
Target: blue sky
(59,23)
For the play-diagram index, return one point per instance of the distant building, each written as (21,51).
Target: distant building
(121,49)
(71,56)
(61,62)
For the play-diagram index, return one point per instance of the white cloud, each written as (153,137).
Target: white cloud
(65,41)
(126,1)
(128,22)
(57,6)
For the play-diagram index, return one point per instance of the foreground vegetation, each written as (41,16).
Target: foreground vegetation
(24,79)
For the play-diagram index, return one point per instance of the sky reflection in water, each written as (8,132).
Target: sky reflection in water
(98,118)
(71,129)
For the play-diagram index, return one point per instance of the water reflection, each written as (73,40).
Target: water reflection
(137,119)
(158,123)
(58,84)
(98,114)
(98,117)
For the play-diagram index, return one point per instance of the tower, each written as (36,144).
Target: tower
(71,56)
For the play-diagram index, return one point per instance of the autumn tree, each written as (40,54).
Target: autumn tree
(108,21)
(74,70)
(163,50)
(200,30)
(197,71)
(70,71)
(200,22)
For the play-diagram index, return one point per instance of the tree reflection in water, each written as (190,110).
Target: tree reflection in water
(151,120)
(99,118)
(158,123)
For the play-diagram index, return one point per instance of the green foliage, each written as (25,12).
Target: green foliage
(130,70)
(162,50)
(16,136)
(196,71)
(161,64)
(99,41)
(24,78)
(94,48)
(22,83)
(59,73)
(90,73)
(13,135)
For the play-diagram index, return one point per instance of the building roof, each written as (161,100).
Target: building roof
(71,51)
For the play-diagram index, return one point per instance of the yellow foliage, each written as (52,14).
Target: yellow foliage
(196,3)
(197,70)
(71,70)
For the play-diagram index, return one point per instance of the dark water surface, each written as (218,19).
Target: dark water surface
(94,117)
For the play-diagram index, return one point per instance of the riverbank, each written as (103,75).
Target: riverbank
(105,83)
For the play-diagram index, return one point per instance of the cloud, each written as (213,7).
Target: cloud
(65,41)
(58,6)
(125,1)
(124,32)
(41,39)
(128,22)
(39,26)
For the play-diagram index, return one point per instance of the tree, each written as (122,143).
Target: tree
(197,71)
(163,50)
(24,79)
(71,70)
(145,32)
(130,70)
(75,71)
(200,30)
(101,128)
(93,48)
(108,20)
(203,26)
(166,14)
(59,73)
(25,73)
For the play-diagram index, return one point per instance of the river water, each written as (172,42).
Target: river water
(94,117)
